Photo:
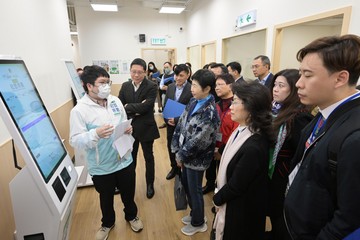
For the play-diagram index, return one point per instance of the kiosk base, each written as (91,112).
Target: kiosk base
(35,218)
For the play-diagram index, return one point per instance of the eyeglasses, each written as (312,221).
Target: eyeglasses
(234,102)
(103,84)
(133,72)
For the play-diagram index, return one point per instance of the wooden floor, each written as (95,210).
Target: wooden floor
(161,220)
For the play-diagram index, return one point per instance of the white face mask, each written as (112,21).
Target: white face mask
(104,91)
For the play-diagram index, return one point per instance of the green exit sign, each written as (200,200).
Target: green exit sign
(246,19)
(158,41)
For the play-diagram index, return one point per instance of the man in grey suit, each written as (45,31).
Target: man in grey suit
(261,70)
(179,91)
(138,97)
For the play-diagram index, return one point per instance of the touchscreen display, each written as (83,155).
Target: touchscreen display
(31,118)
(76,81)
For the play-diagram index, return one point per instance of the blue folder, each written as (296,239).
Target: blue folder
(173,109)
(354,236)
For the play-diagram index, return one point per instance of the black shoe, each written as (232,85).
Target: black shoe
(163,126)
(206,189)
(150,191)
(159,110)
(117,191)
(213,210)
(171,174)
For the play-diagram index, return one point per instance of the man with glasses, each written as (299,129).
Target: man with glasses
(138,97)
(92,122)
(261,70)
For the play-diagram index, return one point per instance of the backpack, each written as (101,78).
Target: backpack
(335,145)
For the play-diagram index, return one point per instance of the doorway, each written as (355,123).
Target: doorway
(290,37)
(159,56)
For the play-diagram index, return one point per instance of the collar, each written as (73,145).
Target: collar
(200,101)
(137,86)
(327,111)
(182,86)
(265,78)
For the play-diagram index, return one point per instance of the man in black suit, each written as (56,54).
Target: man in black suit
(179,91)
(235,71)
(261,70)
(138,97)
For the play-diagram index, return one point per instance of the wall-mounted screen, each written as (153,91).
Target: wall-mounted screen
(76,83)
(23,102)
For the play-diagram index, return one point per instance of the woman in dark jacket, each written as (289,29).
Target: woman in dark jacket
(290,117)
(242,181)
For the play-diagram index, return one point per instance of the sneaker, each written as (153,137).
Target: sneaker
(187,219)
(190,230)
(103,233)
(136,224)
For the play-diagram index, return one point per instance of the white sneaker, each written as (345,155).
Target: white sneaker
(190,230)
(103,233)
(187,219)
(136,224)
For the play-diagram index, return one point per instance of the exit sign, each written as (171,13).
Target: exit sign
(246,19)
(158,41)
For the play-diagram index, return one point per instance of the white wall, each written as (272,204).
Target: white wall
(38,32)
(114,36)
(212,20)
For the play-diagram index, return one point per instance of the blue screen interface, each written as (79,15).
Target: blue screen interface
(31,118)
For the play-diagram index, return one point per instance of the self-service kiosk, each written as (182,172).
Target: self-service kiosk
(43,192)
(80,154)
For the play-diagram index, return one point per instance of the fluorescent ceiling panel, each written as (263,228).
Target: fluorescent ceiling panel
(173,10)
(104,7)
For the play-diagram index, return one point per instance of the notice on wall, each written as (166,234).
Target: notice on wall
(125,66)
(102,63)
(114,66)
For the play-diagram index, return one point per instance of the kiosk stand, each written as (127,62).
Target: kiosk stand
(43,192)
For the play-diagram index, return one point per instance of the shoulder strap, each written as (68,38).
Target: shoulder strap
(337,140)
(352,124)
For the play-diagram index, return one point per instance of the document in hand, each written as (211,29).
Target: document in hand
(173,109)
(123,143)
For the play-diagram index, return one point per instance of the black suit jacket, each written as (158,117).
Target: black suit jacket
(184,97)
(269,80)
(240,79)
(139,106)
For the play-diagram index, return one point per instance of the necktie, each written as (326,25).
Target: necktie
(316,131)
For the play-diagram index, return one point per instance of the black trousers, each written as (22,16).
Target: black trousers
(147,148)
(105,185)
(210,173)
(169,133)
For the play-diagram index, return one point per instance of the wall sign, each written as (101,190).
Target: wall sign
(246,19)
(158,41)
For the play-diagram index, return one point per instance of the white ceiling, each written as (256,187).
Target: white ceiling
(153,4)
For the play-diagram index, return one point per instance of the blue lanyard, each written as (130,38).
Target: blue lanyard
(317,129)
(348,100)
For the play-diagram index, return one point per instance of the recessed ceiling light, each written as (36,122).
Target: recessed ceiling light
(104,7)
(171,9)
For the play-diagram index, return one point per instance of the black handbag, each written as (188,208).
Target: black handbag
(179,194)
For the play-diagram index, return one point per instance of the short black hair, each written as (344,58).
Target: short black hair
(226,77)
(139,61)
(220,65)
(205,78)
(91,73)
(235,66)
(181,67)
